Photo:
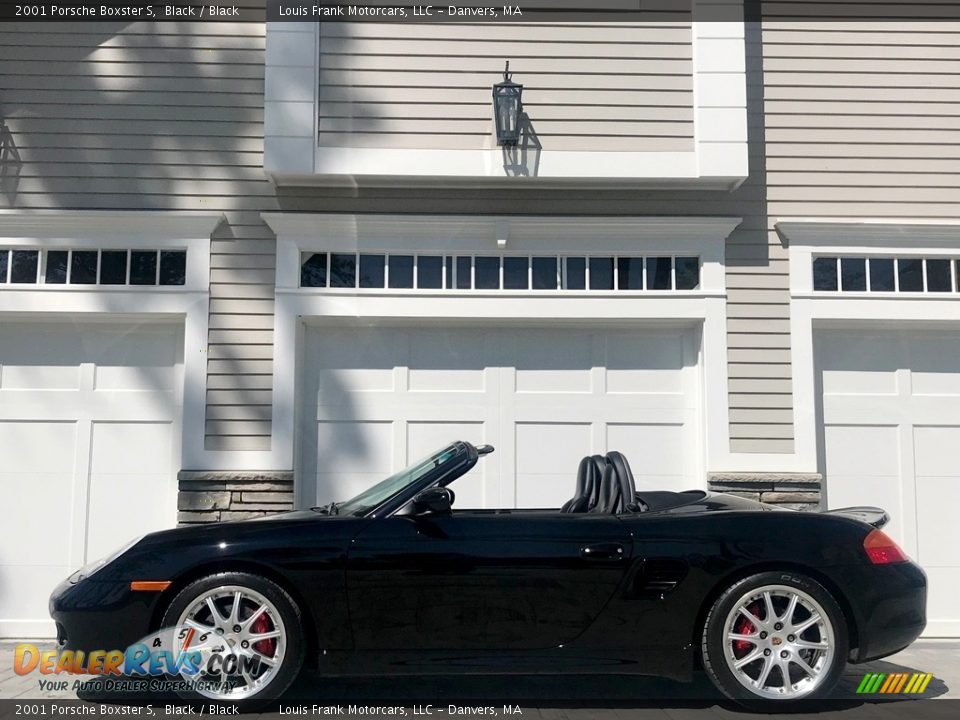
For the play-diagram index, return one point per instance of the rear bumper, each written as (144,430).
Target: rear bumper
(100,615)
(889,605)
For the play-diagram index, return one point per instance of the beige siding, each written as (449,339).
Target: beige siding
(599,87)
(858,120)
(164,116)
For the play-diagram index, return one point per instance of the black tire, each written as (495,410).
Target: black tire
(718,656)
(295,641)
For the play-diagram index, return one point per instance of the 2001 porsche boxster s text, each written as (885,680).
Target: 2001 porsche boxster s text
(770,603)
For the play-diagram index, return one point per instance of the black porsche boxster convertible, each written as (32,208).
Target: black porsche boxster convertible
(770,603)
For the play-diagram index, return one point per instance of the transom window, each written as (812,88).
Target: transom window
(378,271)
(93,267)
(886,274)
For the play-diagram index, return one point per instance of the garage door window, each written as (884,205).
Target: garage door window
(93,267)
(514,273)
(886,274)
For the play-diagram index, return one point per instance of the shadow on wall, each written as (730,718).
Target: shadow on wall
(10,164)
(523,159)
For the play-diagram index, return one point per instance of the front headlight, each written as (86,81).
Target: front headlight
(93,567)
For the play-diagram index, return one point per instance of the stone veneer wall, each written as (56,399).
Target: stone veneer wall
(799,491)
(207,497)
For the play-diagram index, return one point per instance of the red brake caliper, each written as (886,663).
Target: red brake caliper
(745,627)
(261,625)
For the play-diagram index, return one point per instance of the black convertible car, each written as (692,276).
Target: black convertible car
(770,603)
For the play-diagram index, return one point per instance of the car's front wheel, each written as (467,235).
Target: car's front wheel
(776,637)
(246,636)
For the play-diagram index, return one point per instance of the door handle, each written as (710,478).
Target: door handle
(602,551)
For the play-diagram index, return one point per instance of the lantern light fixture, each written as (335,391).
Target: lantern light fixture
(507,108)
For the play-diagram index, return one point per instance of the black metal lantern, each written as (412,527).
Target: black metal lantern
(507,107)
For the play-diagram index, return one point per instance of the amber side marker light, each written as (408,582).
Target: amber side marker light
(149,585)
(882,550)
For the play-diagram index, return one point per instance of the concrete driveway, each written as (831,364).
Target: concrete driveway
(575,697)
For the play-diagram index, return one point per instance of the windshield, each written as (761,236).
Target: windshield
(374,496)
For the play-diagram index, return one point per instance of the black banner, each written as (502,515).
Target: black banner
(482,11)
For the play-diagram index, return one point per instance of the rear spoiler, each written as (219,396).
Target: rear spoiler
(870,515)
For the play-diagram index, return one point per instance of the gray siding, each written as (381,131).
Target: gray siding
(860,122)
(587,87)
(164,116)
(852,118)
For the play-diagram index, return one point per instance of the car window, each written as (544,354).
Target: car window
(385,489)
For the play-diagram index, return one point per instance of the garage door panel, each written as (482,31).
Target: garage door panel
(39,377)
(862,451)
(149,378)
(24,590)
(929,458)
(548,361)
(942,584)
(658,453)
(528,389)
(939,534)
(646,363)
(547,456)
(352,456)
(892,426)
(90,428)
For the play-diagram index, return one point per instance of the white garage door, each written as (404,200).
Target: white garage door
(89,427)
(378,398)
(891,410)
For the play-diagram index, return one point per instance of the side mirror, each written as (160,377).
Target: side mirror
(433,501)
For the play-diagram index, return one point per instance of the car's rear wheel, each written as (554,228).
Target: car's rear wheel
(246,632)
(775,637)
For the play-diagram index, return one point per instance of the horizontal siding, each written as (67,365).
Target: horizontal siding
(165,116)
(858,120)
(609,87)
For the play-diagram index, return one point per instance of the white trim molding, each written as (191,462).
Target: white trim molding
(718,159)
(138,230)
(705,307)
(810,310)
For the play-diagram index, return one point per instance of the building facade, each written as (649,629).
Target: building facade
(247,267)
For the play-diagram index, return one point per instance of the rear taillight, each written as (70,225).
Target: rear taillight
(882,550)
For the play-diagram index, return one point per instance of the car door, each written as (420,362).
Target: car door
(482,580)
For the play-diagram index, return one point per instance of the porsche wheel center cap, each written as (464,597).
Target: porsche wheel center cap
(776,640)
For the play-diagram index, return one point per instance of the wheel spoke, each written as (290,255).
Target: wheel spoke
(747,659)
(239,676)
(808,645)
(235,608)
(757,622)
(247,677)
(256,613)
(791,609)
(213,609)
(764,673)
(768,603)
(806,624)
(804,665)
(265,659)
(762,655)
(199,627)
(784,666)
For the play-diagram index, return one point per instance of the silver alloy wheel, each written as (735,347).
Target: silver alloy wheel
(778,642)
(233,622)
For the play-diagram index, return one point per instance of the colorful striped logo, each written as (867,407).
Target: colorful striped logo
(894,683)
